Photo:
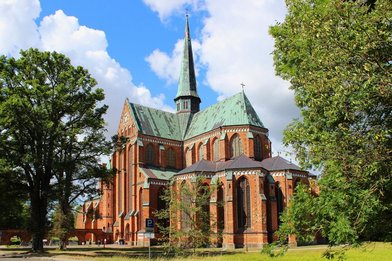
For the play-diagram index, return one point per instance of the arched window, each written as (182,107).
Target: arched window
(243,204)
(140,208)
(188,157)
(185,214)
(236,146)
(127,234)
(130,174)
(204,202)
(150,154)
(216,150)
(220,212)
(296,183)
(201,152)
(119,185)
(171,158)
(161,204)
(279,200)
(258,148)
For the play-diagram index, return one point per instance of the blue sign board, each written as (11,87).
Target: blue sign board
(149,225)
(149,222)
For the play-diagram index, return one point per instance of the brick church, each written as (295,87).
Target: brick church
(226,143)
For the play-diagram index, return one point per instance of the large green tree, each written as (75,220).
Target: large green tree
(13,199)
(51,130)
(337,56)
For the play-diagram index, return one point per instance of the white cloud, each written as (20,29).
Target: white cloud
(168,7)
(236,47)
(17,27)
(168,67)
(84,46)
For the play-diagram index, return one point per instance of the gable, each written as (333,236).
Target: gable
(127,125)
(278,163)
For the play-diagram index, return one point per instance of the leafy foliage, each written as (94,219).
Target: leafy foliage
(13,200)
(51,130)
(189,223)
(337,56)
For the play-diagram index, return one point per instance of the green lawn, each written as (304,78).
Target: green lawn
(370,251)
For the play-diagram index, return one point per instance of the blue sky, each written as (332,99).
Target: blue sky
(133,47)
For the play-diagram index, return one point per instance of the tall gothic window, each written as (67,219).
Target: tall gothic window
(201,152)
(243,204)
(279,200)
(220,211)
(161,204)
(257,148)
(236,146)
(188,157)
(140,208)
(204,218)
(130,173)
(119,184)
(185,215)
(150,154)
(216,150)
(171,158)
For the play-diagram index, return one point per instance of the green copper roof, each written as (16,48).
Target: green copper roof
(236,110)
(187,82)
(155,122)
(156,173)
(184,120)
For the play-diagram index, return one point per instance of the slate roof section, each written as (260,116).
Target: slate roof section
(156,173)
(236,110)
(155,122)
(240,162)
(200,166)
(278,163)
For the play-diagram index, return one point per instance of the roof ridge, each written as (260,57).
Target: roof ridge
(149,107)
(232,111)
(216,104)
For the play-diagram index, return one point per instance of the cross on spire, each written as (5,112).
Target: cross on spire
(242,85)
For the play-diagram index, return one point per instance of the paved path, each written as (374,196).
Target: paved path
(16,256)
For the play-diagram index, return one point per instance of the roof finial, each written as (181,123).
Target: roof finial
(186,12)
(242,85)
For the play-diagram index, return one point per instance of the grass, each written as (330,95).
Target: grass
(370,251)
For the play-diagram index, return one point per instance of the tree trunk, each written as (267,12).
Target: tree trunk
(63,244)
(39,205)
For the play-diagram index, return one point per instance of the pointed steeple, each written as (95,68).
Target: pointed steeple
(187,99)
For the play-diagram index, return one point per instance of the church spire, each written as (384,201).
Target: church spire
(187,99)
